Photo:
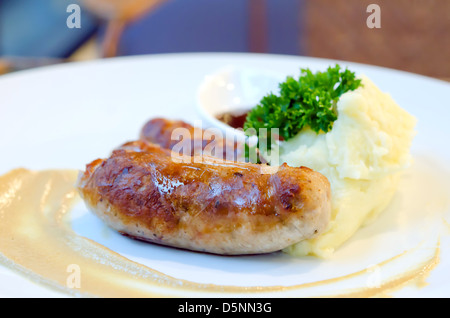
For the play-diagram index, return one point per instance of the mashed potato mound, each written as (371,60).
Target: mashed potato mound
(362,156)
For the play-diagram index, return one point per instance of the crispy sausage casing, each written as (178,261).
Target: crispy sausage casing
(210,206)
(165,132)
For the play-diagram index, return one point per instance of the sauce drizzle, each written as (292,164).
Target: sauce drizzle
(37,240)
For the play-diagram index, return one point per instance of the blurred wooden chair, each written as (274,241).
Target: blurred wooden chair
(117,14)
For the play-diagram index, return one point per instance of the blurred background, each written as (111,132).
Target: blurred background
(414,34)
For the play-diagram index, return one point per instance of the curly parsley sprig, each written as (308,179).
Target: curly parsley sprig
(308,101)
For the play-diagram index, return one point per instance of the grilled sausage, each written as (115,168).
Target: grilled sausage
(167,134)
(145,192)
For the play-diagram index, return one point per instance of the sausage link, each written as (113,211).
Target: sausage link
(217,207)
(196,141)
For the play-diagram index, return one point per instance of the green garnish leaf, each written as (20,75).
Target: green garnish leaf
(309,100)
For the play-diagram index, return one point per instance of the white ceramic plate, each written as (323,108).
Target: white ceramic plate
(64,116)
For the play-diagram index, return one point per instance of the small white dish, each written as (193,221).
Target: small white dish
(233,90)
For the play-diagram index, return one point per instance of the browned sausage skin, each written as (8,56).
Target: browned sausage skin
(223,208)
(159,131)
(165,132)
